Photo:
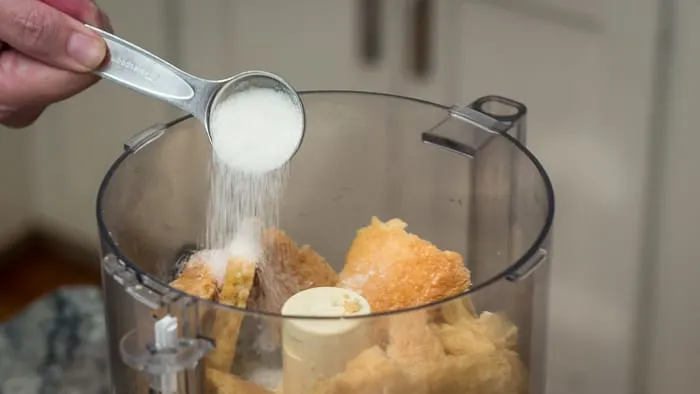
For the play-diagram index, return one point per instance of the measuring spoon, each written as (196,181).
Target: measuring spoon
(137,69)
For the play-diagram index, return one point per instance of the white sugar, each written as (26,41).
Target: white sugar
(256,130)
(254,133)
(241,206)
(246,242)
(216,259)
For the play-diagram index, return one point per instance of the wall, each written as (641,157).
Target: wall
(74,143)
(15,184)
(670,303)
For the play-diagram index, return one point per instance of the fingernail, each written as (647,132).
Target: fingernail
(86,50)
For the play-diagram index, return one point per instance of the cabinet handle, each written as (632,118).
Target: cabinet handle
(370,16)
(421,20)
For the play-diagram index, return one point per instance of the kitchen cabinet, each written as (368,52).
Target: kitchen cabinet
(556,58)
(580,69)
(313,44)
(670,316)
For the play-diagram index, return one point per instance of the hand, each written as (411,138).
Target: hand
(46,54)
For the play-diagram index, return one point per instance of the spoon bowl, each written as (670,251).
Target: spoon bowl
(251,80)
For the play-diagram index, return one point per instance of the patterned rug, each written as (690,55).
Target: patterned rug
(56,346)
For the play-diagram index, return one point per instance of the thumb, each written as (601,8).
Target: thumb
(48,35)
(20,119)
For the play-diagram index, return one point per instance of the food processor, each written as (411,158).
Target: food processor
(460,176)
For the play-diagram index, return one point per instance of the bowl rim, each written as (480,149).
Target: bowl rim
(507,273)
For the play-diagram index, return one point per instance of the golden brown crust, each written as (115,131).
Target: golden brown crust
(312,270)
(288,270)
(448,349)
(371,372)
(302,265)
(499,372)
(227,323)
(411,340)
(474,356)
(197,280)
(393,269)
(237,283)
(223,383)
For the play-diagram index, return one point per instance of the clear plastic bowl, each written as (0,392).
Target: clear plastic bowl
(460,177)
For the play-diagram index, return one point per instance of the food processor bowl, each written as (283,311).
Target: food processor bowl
(459,176)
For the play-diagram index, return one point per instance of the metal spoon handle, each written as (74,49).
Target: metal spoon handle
(137,69)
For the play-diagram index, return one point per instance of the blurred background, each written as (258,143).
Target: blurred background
(612,88)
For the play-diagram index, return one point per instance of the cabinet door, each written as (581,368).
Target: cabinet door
(585,72)
(586,77)
(314,44)
(671,313)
